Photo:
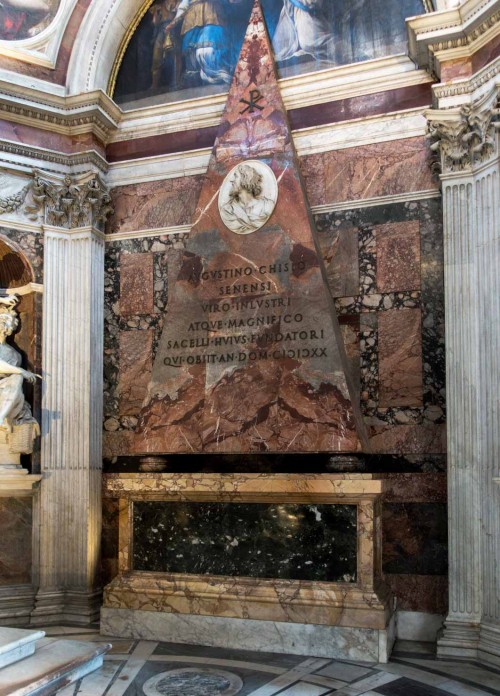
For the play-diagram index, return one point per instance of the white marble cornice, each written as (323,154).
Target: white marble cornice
(94,112)
(20,157)
(454,33)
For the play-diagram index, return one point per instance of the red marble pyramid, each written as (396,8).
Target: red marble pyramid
(251,358)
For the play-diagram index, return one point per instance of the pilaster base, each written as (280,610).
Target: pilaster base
(66,606)
(489,645)
(459,640)
(16,605)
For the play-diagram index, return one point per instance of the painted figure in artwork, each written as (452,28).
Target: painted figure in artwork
(194,44)
(13,408)
(304,29)
(205,41)
(20,19)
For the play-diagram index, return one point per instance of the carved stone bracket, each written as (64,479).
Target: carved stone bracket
(466,136)
(70,204)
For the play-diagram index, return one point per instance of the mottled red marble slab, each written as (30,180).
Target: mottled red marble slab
(136,349)
(398,256)
(400,358)
(136,284)
(251,357)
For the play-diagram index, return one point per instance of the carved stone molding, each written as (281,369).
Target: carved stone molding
(456,32)
(11,203)
(466,136)
(70,205)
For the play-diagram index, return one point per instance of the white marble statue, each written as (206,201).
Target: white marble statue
(15,413)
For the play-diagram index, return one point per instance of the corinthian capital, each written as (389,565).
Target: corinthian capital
(71,204)
(465,136)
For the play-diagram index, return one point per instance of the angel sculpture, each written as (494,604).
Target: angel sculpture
(15,413)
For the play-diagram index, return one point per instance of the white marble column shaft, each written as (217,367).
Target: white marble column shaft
(70,509)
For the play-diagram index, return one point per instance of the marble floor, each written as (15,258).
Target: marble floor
(148,668)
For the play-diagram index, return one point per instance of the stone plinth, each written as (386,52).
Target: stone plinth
(19,500)
(336,619)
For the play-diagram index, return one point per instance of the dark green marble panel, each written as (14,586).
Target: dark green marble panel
(299,542)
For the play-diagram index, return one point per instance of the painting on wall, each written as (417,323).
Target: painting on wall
(22,19)
(189,48)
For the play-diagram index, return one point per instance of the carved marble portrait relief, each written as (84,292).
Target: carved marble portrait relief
(248,197)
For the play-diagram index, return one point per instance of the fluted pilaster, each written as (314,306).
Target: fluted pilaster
(467,140)
(70,509)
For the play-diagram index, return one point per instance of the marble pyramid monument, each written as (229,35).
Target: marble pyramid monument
(251,358)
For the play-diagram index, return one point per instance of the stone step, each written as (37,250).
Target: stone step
(54,665)
(16,644)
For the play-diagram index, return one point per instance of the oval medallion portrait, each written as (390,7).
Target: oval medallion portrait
(248,197)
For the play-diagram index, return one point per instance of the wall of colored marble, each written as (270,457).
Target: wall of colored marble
(384,266)
(16,522)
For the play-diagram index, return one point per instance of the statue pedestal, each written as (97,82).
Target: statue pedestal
(10,462)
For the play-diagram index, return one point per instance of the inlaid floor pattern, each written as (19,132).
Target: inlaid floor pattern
(149,668)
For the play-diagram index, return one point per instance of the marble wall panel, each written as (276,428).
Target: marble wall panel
(415,538)
(426,593)
(400,358)
(109,540)
(400,431)
(398,256)
(136,284)
(116,443)
(380,169)
(16,523)
(486,54)
(136,361)
(49,140)
(407,439)
(415,487)
(349,329)
(456,69)
(339,248)
(165,252)
(154,204)
(31,245)
(251,540)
